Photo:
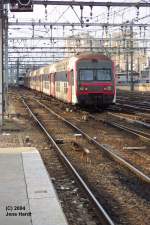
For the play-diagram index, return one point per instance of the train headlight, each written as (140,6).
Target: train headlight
(81,88)
(108,88)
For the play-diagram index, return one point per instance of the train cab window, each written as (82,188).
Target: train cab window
(103,74)
(86,75)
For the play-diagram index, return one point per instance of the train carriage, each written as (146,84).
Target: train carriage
(86,79)
(96,80)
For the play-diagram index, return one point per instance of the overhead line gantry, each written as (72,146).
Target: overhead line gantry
(39,23)
(72,38)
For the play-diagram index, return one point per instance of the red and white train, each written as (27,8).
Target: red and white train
(86,79)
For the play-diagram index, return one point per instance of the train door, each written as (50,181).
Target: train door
(71,93)
(53,84)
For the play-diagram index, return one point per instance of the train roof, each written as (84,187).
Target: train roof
(92,54)
(69,62)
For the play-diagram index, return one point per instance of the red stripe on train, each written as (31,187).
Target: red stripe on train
(94,92)
(96,84)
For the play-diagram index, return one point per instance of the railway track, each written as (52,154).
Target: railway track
(106,149)
(131,119)
(63,156)
(75,203)
(123,154)
(134,101)
(142,135)
(103,215)
(138,159)
(101,176)
(131,106)
(57,138)
(133,95)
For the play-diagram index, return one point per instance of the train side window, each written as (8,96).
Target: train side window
(57,86)
(65,88)
(72,77)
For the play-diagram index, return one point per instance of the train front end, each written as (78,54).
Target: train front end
(95,81)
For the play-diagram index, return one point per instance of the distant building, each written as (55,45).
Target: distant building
(80,43)
(117,47)
(122,56)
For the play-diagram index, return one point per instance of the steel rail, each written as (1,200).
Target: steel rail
(105,217)
(147,125)
(140,134)
(134,102)
(117,158)
(135,121)
(133,107)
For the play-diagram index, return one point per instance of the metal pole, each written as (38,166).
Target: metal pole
(17,78)
(1,65)
(5,43)
(131,47)
(127,67)
(127,60)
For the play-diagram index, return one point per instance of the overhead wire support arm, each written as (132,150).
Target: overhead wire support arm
(90,3)
(87,3)
(80,19)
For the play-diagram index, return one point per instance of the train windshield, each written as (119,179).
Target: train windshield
(103,74)
(95,74)
(86,75)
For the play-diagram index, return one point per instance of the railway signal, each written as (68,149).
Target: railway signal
(21,5)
